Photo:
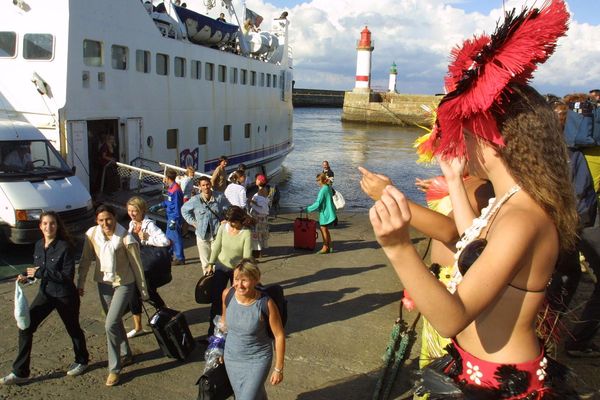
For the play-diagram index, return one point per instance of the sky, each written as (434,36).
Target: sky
(418,35)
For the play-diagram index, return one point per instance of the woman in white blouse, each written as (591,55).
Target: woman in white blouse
(236,190)
(145,231)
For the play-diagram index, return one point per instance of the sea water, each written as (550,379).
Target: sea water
(320,135)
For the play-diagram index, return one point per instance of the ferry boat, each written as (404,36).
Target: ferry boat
(169,84)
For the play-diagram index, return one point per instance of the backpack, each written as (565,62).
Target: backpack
(582,126)
(274,292)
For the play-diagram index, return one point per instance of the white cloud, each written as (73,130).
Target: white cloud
(418,35)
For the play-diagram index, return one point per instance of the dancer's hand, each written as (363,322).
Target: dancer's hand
(423,184)
(373,184)
(453,168)
(390,217)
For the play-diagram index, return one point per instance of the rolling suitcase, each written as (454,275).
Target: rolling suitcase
(305,233)
(172,333)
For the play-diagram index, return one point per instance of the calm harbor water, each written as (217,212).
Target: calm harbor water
(320,135)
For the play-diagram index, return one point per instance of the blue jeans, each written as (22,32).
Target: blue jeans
(176,238)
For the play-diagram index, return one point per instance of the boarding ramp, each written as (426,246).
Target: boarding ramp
(143,178)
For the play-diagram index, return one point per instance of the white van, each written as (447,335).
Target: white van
(35,178)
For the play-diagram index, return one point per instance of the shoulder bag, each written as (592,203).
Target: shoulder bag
(202,294)
(157,265)
(214,384)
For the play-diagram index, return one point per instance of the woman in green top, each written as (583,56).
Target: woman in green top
(232,243)
(327,217)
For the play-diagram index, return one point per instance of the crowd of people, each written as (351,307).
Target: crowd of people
(226,241)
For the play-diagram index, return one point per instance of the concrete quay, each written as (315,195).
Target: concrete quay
(400,109)
(341,309)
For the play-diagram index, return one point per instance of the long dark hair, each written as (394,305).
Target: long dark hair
(61,230)
(237,214)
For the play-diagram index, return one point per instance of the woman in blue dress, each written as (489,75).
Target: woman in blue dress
(327,215)
(249,348)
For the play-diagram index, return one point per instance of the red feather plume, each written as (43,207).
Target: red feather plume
(483,67)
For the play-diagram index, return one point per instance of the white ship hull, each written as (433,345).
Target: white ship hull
(181,118)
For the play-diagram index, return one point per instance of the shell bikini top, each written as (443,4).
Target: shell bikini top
(470,246)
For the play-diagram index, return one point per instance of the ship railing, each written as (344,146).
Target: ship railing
(183,171)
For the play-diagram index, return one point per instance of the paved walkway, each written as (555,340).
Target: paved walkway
(342,307)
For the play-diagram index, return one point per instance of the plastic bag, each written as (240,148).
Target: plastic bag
(21,308)
(338,200)
(216,346)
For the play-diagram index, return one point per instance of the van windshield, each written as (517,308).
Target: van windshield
(25,159)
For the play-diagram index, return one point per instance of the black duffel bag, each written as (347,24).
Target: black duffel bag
(157,265)
(214,384)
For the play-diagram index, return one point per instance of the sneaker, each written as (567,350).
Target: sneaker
(178,262)
(12,379)
(76,369)
(589,351)
(133,333)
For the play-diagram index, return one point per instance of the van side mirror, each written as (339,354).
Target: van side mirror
(74,169)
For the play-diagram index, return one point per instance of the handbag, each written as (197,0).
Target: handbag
(21,308)
(157,265)
(203,290)
(338,200)
(214,384)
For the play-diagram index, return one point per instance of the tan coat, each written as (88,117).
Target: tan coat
(128,263)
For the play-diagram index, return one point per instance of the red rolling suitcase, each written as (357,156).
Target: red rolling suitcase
(305,233)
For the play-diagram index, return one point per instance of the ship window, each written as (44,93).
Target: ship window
(244,78)
(202,134)
(142,61)
(209,71)
(274,80)
(38,46)
(262,79)
(172,138)
(268,80)
(8,44)
(162,64)
(234,76)
(92,53)
(227,133)
(119,57)
(253,78)
(222,73)
(196,72)
(179,67)
(247,130)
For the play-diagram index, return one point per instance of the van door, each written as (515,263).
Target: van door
(77,154)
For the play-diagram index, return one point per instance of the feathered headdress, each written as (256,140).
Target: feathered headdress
(481,70)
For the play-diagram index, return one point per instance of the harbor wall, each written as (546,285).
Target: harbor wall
(388,108)
(317,98)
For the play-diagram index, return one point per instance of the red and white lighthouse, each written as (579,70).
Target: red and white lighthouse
(363,62)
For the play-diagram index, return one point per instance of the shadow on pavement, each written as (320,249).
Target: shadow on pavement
(362,386)
(308,310)
(327,274)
